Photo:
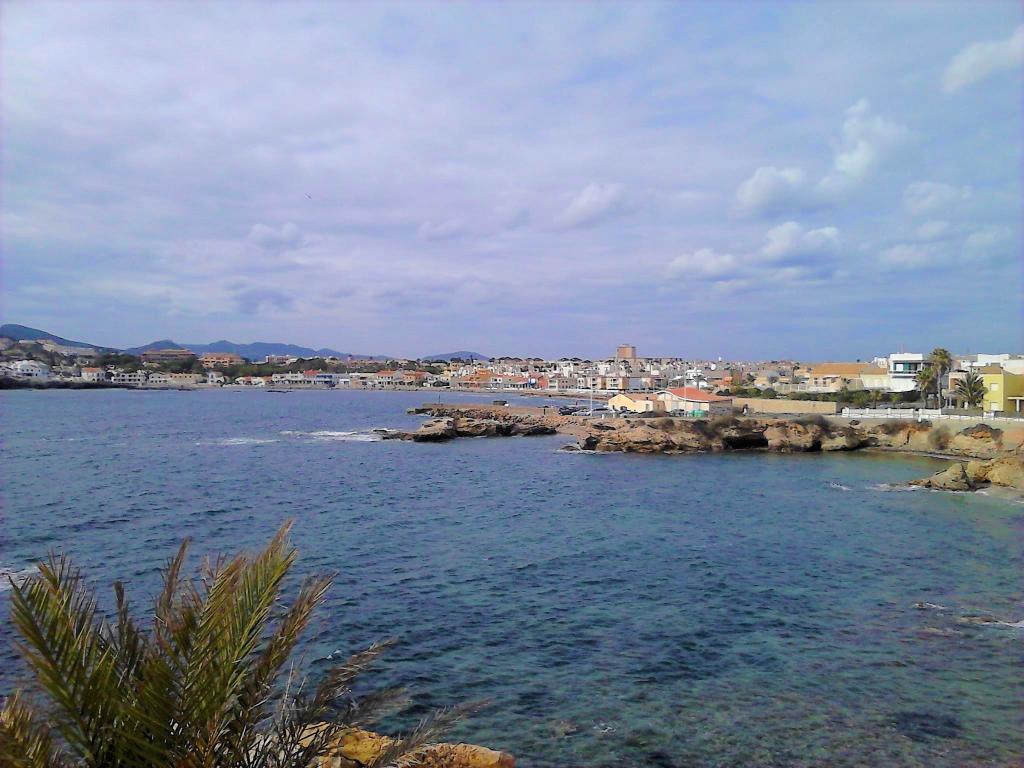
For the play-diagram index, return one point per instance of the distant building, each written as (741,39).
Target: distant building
(833,377)
(30,369)
(625,352)
(220,359)
(94,374)
(131,378)
(167,355)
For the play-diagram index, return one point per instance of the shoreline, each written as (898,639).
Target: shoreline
(983,456)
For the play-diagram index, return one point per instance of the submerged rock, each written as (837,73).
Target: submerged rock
(356,748)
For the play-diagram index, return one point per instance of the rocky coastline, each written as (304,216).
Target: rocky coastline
(995,456)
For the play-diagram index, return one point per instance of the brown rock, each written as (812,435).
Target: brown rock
(1008,472)
(356,748)
(842,439)
(792,436)
(953,478)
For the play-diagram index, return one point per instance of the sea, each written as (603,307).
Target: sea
(740,609)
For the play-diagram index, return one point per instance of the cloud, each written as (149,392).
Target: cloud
(905,257)
(932,230)
(984,240)
(252,301)
(442,230)
(771,188)
(288,237)
(593,204)
(981,60)
(926,196)
(790,242)
(703,263)
(867,139)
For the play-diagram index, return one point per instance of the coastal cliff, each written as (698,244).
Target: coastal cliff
(723,433)
(357,748)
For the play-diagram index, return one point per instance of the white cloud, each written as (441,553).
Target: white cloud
(867,139)
(594,203)
(980,60)
(790,240)
(705,262)
(771,188)
(985,239)
(932,230)
(905,256)
(288,237)
(924,196)
(442,230)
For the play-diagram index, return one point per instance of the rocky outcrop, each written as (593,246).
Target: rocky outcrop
(449,427)
(1007,472)
(357,748)
(953,478)
(669,435)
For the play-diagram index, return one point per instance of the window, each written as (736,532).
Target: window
(993,387)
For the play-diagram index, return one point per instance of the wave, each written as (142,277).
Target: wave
(7,575)
(840,487)
(226,441)
(886,487)
(328,435)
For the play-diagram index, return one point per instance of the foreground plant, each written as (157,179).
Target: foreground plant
(205,686)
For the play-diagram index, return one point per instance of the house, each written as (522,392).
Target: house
(903,368)
(252,381)
(131,378)
(30,369)
(186,379)
(636,403)
(158,379)
(833,377)
(876,378)
(693,401)
(94,374)
(216,378)
(1004,391)
(220,359)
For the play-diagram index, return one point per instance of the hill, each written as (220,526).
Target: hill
(257,350)
(463,355)
(24,333)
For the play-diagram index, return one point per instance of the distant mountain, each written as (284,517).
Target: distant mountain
(255,351)
(464,355)
(24,333)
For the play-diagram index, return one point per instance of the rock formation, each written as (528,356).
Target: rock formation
(638,434)
(1007,472)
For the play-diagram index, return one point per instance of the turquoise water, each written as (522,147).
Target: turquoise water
(719,610)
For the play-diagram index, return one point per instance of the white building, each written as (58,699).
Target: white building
(131,378)
(694,401)
(94,374)
(30,369)
(903,368)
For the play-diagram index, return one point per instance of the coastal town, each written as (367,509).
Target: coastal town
(989,384)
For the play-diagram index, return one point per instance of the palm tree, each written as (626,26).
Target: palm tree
(925,378)
(206,686)
(971,389)
(943,362)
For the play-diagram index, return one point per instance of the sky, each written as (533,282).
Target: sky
(753,181)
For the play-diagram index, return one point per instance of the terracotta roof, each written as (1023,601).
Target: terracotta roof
(693,393)
(993,368)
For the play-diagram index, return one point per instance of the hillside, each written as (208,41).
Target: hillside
(24,333)
(463,355)
(254,351)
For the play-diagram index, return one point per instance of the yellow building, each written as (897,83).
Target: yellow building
(1004,391)
(636,403)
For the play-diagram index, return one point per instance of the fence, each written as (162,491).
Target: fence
(922,414)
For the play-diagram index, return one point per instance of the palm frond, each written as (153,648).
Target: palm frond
(25,740)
